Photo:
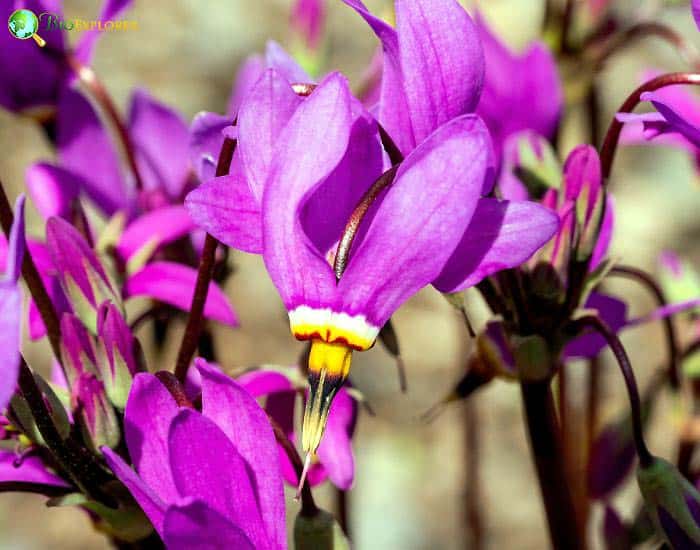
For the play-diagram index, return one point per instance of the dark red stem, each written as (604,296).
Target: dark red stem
(204,277)
(607,151)
(175,389)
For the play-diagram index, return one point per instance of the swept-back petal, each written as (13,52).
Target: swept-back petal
(52,189)
(501,235)
(420,222)
(160,226)
(226,208)
(240,417)
(150,502)
(262,116)
(247,75)
(10,321)
(277,58)
(28,469)
(192,525)
(173,283)
(393,109)
(85,148)
(335,451)
(161,141)
(207,466)
(147,417)
(612,311)
(206,138)
(310,147)
(442,62)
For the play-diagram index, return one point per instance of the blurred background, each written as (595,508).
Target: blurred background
(411,480)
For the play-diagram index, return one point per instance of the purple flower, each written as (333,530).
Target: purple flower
(335,456)
(204,479)
(11,306)
(675,122)
(48,65)
(308,18)
(304,166)
(535,103)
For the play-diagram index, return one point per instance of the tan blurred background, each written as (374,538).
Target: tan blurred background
(410,482)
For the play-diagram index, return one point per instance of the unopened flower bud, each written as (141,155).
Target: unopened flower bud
(99,421)
(116,363)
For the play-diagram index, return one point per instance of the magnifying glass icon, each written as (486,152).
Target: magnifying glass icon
(24,24)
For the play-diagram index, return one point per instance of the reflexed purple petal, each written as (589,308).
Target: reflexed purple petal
(612,311)
(335,451)
(442,62)
(147,417)
(280,406)
(225,208)
(328,208)
(150,502)
(85,147)
(192,525)
(277,58)
(86,45)
(420,222)
(393,109)
(695,4)
(611,459)
(207,466)
(162,226)
(206,139)
(17,244)
(535,104)
(258,382)
(240,417)
(174,284)
(500,235)
(677,122)
(262,116)
(161,142)
(674,532)
(310,147)
(250,71)
(27,469)
(614,530)
(52,189)
(10,320)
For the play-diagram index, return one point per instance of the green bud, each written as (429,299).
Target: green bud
(532,358)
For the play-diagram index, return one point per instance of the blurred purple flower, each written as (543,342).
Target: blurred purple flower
(48,68)
(308,18)
(335,456)
(695,5)
(11,306)
(206,479)
(535,103)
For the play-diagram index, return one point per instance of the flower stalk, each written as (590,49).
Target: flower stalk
(204,277)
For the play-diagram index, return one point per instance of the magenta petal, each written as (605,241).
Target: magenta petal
(29,469)
(605,235)
(240,417)
(612,311)
(695,4)
(310,147)
(86,45)
(85,147)
(10,321)
(174,284)
(52,189)
(150,502)
(258,383)
(161,141)
(206,139)
(226,208)
(393,109)
(207,466)
(17,243)
(501,235)
(162,226)
(147,417)
(335,451)
(420,222)
(441,60)
(277,58)
(192,525)
(248,74)
(261,118)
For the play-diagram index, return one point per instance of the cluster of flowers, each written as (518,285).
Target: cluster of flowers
(441,172)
